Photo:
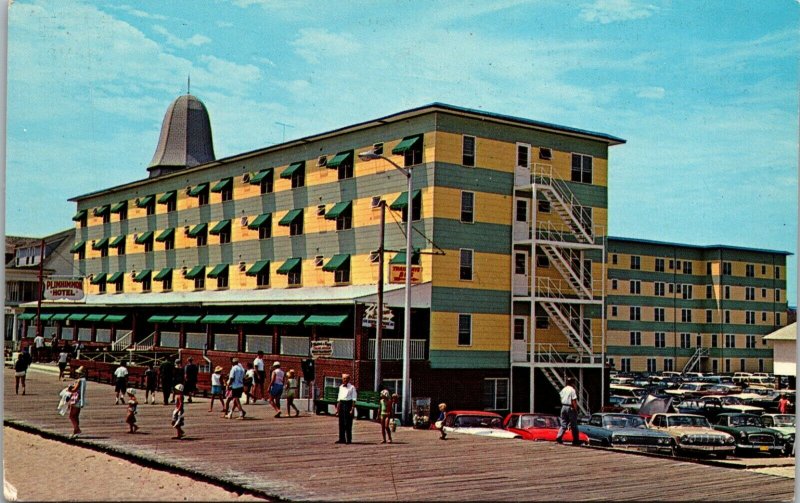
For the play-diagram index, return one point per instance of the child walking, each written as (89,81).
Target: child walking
(177,414)
(440,420)
(217,391)
(386,414)
(132,404)
(291,389)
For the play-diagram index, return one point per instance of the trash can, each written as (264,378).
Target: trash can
(422,412)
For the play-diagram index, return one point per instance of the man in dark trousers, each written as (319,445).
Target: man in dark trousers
(165,372)
(190,379)
(345,409)
(569,413)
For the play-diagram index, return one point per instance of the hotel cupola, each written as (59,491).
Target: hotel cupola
(185,139)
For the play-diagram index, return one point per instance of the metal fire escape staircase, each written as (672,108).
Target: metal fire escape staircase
(564,321)
(558,381)
(694,361)
(564,203)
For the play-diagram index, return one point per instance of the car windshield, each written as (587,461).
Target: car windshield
(745,421)
(731,400)
(615,422)
(687,421)
(783,420)
(477,422)
(690,386)
(530,421)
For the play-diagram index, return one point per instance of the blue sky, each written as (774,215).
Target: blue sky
(706,93)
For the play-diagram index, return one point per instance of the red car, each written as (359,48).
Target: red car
(538,427)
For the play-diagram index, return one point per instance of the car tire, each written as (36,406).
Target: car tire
(676,451)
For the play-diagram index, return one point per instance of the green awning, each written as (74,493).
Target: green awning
(102,210)
(400,258)
(220,227)
(192,318)
(117,241)
(163,274)
(115,318)
(285,319)
(77,316)
(219,319)
(142,276)
(223,184)
(336,262)
(218,270)
(339,159)
(167,197)
(197,230)
(115,277)
(59,317)
(99,278)
(119,206)
(258,267)
(263,220)
(167,234)
(292,169)
(144,202)
(290,265)
(407,143)
(196,272)
(26,316)
(144,237)
(159,318)
(402,200)
(99,245)
(95,317)
(290,217)
(338,209)
(80,215)
(260,176)
(77,247)
(46,316)
(322,320)
(248,319)
(198,189)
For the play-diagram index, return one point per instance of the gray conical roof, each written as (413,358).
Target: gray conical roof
(185,139)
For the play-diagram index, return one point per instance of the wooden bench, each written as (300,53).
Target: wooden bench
(329,397)
(367,401)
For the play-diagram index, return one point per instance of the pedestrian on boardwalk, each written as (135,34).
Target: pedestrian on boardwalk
(249,379)
(386,415)
(216,389)
(569,413)
(165,372)
(77,401)
(190,379)
(261,376)
(236,386)
(63,358)
(276,388)
(177,377)
(120,383)
(132,405)
(345,409)
(440,421)
(38,348)
(21,370)
(177,413)
(291,392)
(150,383)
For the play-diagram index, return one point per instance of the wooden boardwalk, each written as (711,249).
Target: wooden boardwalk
(296,459)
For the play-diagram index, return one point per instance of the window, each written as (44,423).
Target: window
(750,341)
(763,269)
(726,268)
(199,282)
(636,338)
(670,287)
(345,166)
(495,394)
(468,207)
(262,278)
(730,340)
(520,263)
(727,365)
(777,319)
(671,265)
(635,313)
(761,365)
(713,340)
(545,153)
(686,341)
(101,287)
(465,269)
(342,274)
(727,316)
(659,265)
(687,291)
(678,265)
(519,329)
(727,292)
(613,284)
(709,291)
(202,197)
(416,207)
(687,267)
(669,364)
(659,289)
(750,270)
(651,365)
(468,150)
(686,315)
(610,363)
(613,310)
(119,285)
(777,295)
(741,364)
(521,213)
(581,168)
(750,317)
(464,329)
(222,279)
(636,262)
(777,272)
(763,316)
(523,155)
(377,148)
(625,364)
(635,287)
(708,268)
(147,284)
(295,276)
(344,220)
(660,340)
(658,314)
(763,293)
(225,235)
(202,237)
(614,258)
(544,206)
(296,227)
(411,149)
(749,293)
(542,322)
(265,231)
(709,316)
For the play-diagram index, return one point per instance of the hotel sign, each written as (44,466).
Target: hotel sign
(63,289)
(397,273)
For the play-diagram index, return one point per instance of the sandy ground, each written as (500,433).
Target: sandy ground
(35,468)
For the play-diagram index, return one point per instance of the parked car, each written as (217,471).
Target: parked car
(693,434)
(750,434)
(784,424)
(625,430)
(690,389)
(725,389)
(477,422)
(538,427)
(625,390)
(768,398)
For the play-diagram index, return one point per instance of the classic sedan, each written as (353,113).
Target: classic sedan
(784,424)
(690,389)
(477,422)
(693,434)
(625,430)
(750,434)
(538,427)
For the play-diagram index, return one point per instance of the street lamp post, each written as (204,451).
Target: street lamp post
(406,394)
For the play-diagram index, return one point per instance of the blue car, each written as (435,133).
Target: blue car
(626,431)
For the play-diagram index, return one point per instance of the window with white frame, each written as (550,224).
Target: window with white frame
(468,150)
(659,265)
(635,286)
(749,293)
(465,266)
(777,295)
(686,341)
(687,267)
(750,270)
(709,316)
(464,329)
(686,291)
(658,288)
(727,268)
(669,364)
(777,319)
(750,341)
(750,317)
(523,155)
(635,313)
(636,262)
(660,340)
(659,314)
(581,168)
(763,293)
(777,272)
(730,340)
(709,291)
(686,315)
(495,393)
(519,329)
(651,365)
(741,365)
(636,338)
(727,315)
(727,365)
(625,364)
(714,366)
(613,284)
(467,207)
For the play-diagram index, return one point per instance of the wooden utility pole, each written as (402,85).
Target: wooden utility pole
(41,290)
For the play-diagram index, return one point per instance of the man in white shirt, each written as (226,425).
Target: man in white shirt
(38,343)
(120,383)
(569,413)
(345,409)
(261,375)
(236,384)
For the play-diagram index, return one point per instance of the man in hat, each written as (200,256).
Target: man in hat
(345,409)
(276,388)
(236,385)
(569,413)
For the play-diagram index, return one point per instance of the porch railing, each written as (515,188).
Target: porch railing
(392,349)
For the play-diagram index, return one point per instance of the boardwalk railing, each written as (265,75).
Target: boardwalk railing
(122,342)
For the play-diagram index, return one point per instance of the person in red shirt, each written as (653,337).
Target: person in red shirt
(783,404)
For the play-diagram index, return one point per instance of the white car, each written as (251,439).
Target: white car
(694,434)
(472,422)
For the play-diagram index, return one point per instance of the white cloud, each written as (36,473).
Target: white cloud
(651,92)
(195,40)
(610,11)
(318,44)
(135,12)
